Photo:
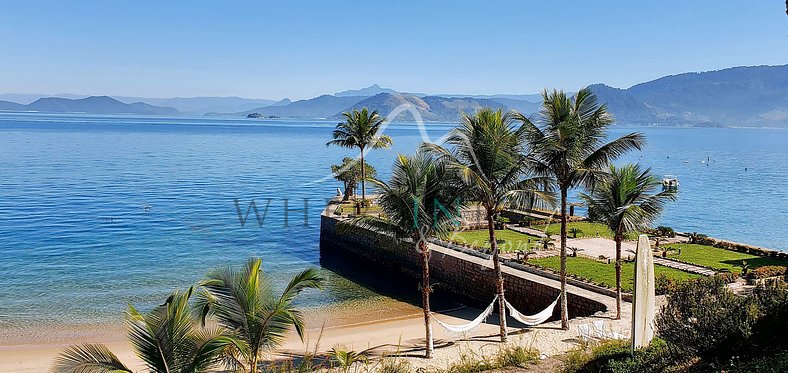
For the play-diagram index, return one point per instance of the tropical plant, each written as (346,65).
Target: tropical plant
(574,231)
(350,173)
(575,250)
(361,130)
(168,339)
(488,152)
(568,144)
(546,242)
(665,231)
(625,200)
(411,201)
(344,358)
(696,237)
(244,302)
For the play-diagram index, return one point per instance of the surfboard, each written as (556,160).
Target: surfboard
(643,295)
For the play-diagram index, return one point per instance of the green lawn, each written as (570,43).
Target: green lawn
(606,273)
(350,208)
(717,258)
(589,229)
(508,240)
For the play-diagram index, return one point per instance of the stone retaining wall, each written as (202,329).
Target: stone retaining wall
(464,276)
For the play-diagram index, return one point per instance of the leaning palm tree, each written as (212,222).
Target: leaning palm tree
(488,152)
(625,200)
(360,130)
(568,144)
(244,301)
(167,340)
(415,203)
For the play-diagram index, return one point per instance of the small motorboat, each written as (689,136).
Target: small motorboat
(670,182)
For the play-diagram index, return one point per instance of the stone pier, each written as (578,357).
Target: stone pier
(467,276)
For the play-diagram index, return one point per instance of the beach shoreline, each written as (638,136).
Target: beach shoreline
(401,335)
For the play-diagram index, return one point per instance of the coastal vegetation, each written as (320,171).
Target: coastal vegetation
(167,339)
(419,186)
(568,144)
(350,173)
(246,319)
(361,130)
(704,327)
(245,303)
(625,200)
(488,153)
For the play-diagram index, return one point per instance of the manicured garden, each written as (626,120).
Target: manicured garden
(508,240)
(350,208)
(721,259)
(600,272)
(588,229)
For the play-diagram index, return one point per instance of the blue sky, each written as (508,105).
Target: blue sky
(300,49)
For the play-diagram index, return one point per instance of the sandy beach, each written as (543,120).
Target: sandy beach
(396,329)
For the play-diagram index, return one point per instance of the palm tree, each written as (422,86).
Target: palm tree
(349,173)
(546,241)
(244,301)
(488,152)
(360,130)
(568,145)
(420,185)
(167,340)
(574,231)
(625,201)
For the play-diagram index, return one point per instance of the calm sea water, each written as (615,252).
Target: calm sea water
(100,212)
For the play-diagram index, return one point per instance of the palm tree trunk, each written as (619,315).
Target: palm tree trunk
(425,295)
(253,365)
(498,275)
(564,306)
(363,177)
(618,277)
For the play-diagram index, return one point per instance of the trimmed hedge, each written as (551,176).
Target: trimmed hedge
(742,248)
(767,271)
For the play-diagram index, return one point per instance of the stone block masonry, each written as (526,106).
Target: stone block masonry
(468,278)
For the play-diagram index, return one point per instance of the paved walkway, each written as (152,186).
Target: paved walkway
(528,231)
(608,301)
(683,266)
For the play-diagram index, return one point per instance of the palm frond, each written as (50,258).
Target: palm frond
(88,358)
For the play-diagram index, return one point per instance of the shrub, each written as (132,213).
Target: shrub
(615,356)
(664,231)
(706,318)
(767,271)
(656,358)
(777,362)
(704,327)
(516,356)
(727,277)
(391,365)
(664,284)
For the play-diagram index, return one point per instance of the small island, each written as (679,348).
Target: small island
(258,115)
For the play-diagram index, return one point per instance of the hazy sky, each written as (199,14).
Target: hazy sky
(300,49)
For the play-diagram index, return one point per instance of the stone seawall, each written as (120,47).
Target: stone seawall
(466,277)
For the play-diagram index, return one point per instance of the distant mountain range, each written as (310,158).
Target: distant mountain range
(739,96)
(88,105)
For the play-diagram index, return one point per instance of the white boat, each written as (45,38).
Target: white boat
(670,182)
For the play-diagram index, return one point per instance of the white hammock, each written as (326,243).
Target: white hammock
(471,325)
(535,319)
